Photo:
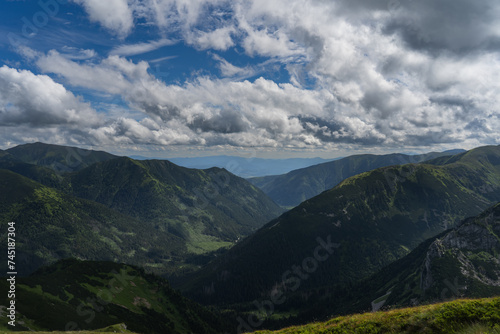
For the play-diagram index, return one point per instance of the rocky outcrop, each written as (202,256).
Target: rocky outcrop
(474,246)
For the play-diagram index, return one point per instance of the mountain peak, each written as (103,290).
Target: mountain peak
(59,158)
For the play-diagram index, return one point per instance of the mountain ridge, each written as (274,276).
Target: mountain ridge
(377,217)
(196,212)
(291,189)
(59,158)
(248,166)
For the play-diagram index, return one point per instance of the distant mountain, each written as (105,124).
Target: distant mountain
(58,158)
(207,208)
(293,188)
(75,295)
(353,230)
(247,167)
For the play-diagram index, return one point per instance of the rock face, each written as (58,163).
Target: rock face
(471,251)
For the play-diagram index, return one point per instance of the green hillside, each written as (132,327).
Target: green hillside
(204,207)
(289,190)
(153,213)
(77,295)
(366,222)
(58,158)
(52,225)
(460,316)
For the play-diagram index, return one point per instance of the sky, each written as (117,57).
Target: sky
(280,78)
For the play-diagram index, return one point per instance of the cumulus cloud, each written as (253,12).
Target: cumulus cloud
(459,26)
(35,108)
(36,100)
(115,15)
(206,108)
(219,39)
(362,72)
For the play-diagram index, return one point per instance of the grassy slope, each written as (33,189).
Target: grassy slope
(74,295)
(450,317)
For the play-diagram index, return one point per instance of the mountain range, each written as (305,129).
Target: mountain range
(392,236)
(353,230)
(58,158)
(168,213)
(291,189)
(248,166)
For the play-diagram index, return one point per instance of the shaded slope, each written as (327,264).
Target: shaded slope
(375,218)
(291,189)
(459,263)
(41,174)
(4,155)
(464,262)
(73,295)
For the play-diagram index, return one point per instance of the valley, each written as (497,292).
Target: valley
(395,236)
(250,166)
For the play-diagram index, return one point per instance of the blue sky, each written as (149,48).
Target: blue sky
(276,79)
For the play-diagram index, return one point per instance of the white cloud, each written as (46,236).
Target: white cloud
(29,99)
(361,73)
(105,77)
(345,109)
(218,39)
(229,70)
(78,54)
(115,15)
(140,48)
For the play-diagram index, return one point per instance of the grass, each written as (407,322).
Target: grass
(479,329)
(119,328)
(459,316)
